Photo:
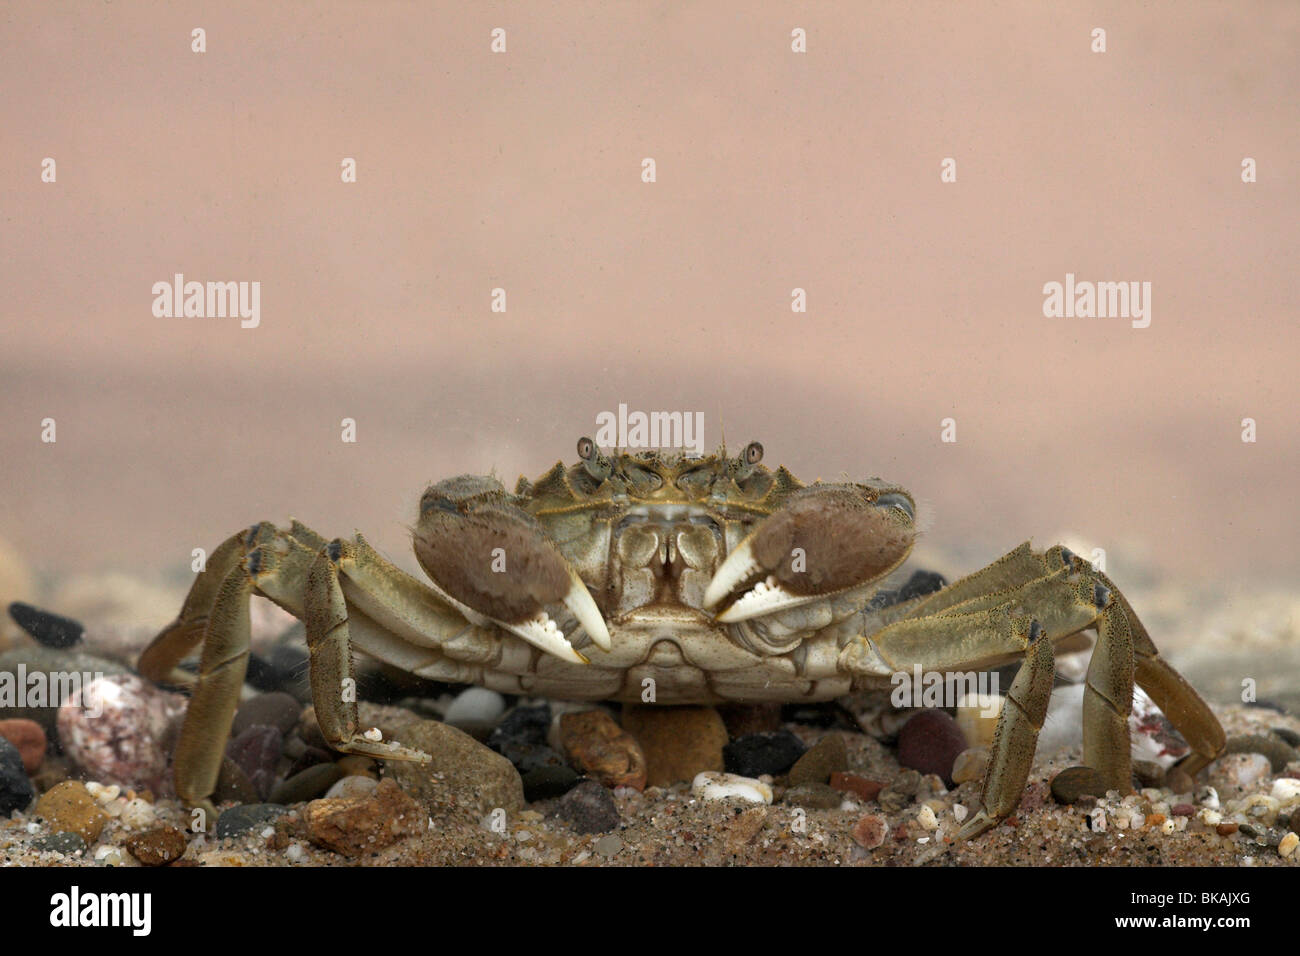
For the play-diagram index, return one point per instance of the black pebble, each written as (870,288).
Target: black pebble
(48,629)
(64,842)
(589,808)
(755,754)
(245,818)
(16,790)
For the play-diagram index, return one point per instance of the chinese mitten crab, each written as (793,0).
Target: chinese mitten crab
(682,580)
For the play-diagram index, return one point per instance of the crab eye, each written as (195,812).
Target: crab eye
(586,448)
(893,500)
(753,453)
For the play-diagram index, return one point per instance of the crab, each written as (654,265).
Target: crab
(660,577)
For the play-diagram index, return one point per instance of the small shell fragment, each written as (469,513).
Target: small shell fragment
(712,785)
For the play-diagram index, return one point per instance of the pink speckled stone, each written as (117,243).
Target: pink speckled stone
(114,731)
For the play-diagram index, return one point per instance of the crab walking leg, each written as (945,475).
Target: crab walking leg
(1016,735)
(333,681)
(158,662)
(1011,570)
(1175,697)
(978,633)
(215,694)
(1108,701)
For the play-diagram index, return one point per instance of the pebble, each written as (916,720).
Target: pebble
(306,784)
(959,812)
(900,791)
(109,855)
(711,785)
(753,755)
(358,826)
(520,737)
(1075,782)
(678,742)
(1286,789)
(828,755)
(977,717)
(609,845)
(247,818)
(257,752)
(476,710)
(354,787)
(970,765)
(276,709)
(926,817)
(813,796)
(543,783)
(1234,774)
(1287,845)
(157,847)
(45,627)
(296,853)
(598,747)
(65,842)
(16,790)
(29,738)
(852,783)
(1270,746)
(463,774)
(138,814)
(870,831)
(930,743)
(588,808)
(69,806)
(1183,810)
(114,730)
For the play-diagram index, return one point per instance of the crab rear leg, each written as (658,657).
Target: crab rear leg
(1016,735)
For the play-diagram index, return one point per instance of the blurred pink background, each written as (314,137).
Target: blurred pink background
(775,170)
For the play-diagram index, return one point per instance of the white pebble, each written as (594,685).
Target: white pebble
(925,816)
(351,788)
(295,853)
(138,814)
(1288,845)
(710,785)
(475,707)
(959,812)
(1169,826)
(108,855)
(1209,797)
(1286,789)
(374,734)
(1211,818)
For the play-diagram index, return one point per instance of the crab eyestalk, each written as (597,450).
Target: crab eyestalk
(596,464)
(748,461)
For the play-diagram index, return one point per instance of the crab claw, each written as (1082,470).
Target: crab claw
(494,562)
(825,539)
